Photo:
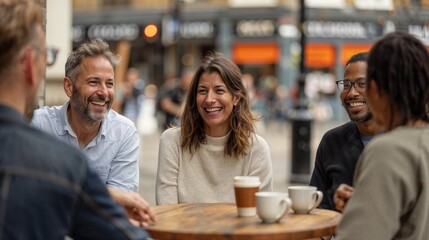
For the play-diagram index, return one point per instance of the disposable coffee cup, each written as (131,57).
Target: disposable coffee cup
(245,188)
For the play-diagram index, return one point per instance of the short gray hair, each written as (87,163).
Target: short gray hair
(95,47)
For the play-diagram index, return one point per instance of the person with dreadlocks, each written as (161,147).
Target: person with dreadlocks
(391,194)
(216,141)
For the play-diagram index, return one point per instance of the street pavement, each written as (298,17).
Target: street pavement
(278,136)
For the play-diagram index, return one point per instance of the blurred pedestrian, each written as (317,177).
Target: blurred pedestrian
(216,141)
(48,189)
(170,100)
(132,91)
(256,102)
(391,195)
(146,122)
(249,84)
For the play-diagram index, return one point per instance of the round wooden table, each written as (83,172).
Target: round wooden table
(219,221)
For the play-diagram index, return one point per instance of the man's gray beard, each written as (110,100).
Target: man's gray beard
(363,119)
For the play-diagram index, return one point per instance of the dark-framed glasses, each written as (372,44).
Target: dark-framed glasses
(51,55)
(345,85)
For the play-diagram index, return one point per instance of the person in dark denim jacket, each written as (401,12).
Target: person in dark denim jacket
(47,190)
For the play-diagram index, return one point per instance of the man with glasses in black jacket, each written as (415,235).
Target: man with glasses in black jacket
(341,147)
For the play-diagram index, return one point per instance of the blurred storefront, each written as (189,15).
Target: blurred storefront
(260,36)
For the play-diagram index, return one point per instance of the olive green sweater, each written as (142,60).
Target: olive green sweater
(391,196)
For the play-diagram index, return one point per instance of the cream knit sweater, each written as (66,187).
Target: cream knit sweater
(207,175)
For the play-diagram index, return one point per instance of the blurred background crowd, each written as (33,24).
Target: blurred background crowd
(161,40)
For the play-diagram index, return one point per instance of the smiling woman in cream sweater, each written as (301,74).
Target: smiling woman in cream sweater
(216,141)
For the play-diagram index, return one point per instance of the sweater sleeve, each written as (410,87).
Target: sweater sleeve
(168,170)
(261,164)
(385,186)
(124,167)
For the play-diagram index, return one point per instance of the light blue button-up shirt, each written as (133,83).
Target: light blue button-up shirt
(113,153)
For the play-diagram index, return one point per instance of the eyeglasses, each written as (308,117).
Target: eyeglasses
(51,55)
(346,85)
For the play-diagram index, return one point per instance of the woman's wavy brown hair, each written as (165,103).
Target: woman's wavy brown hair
(241,122)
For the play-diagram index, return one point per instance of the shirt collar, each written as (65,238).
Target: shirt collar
(66,127)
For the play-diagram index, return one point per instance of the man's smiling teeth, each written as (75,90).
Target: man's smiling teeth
(355,104)
(99,103)
(212,109)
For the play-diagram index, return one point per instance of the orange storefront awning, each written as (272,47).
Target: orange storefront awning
(253,53)
(351,49)
(319,55)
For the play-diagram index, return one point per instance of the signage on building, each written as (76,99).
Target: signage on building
(78,33)
(350,30)
(319,55)
(197,30)
(255,28)
(170,28)
(252,3)
(256,53)
(420,31)
(325,3)
(114,32)
(383,5)
(348,50)
(108,32)
(289,31)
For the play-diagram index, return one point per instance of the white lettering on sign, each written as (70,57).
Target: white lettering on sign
(253,3)
(325,29)
(197,30)
(326,3)
(255,28)
(114,32)
(421,32)
(289,31)
(386,5)
(78,33)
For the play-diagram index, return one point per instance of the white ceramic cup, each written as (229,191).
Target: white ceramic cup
(272,206)
(304,198)
(245,188)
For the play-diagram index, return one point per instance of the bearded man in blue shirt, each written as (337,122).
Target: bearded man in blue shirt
(86,121)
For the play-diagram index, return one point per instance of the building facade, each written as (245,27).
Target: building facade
(162,37)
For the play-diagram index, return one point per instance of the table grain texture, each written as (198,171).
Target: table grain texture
(219,221)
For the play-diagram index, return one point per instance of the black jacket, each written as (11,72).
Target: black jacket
(336,159)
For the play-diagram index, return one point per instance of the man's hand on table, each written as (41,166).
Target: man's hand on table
(137,209)
(343,193)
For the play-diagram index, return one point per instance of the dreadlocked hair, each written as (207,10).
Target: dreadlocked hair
(399,64)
